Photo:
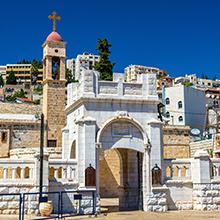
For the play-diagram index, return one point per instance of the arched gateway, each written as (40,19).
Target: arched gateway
(113,130)
(120,161)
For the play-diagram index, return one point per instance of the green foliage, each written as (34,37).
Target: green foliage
(187,83)
(11,78)
(38,90)
(104,66)
(35,66)
(1,81)
(70,78)
(17,94)
(36,102)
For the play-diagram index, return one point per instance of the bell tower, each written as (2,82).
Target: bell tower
(54,55)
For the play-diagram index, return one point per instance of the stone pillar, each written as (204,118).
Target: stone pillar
(62,68)
(14,173)
(22,172)
(49,68)
(156,142)
(5,173)
(146,175)
(201,167)
(86,146)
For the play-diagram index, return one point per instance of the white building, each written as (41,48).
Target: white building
(3,72)
(198,82)
(133,71)
(186,106)
(70,64)
(85,61)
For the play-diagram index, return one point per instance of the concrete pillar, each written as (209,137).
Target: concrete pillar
(201,167)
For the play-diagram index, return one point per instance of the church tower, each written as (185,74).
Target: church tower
(54,55)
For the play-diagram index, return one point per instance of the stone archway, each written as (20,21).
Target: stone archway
(120,163)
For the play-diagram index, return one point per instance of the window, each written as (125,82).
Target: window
(4,137)
(167,114)
(180,104)
(167,101)
(180,118)
(51,143)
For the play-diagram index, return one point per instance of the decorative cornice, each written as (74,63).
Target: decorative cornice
(83,100)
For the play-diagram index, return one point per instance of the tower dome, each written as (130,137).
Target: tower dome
(54,37)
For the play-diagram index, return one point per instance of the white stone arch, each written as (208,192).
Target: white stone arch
(127,119)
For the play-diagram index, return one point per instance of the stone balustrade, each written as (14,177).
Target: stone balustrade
(12,170)
(215,168)
(63,169)
(89,86)
(178,169)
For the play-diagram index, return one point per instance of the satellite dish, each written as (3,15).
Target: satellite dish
(195,131)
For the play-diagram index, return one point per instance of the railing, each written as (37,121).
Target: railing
(178,169)
(12,170)
(63,169)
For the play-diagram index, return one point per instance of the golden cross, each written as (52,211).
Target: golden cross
(55,18)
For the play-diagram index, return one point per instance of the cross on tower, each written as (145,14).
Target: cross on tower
(55,18)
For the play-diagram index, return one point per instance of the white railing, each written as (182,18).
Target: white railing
(63,169)
(12,170)
(178,169)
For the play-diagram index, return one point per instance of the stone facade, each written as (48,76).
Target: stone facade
(176,141)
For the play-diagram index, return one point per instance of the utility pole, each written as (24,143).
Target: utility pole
(41,155)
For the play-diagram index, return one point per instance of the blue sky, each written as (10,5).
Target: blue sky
(180,36)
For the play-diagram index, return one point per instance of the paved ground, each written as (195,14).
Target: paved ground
(110,212)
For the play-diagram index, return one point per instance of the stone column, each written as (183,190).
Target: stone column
(146,175)
(85,143)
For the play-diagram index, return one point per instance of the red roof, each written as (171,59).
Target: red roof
(25,99)
(54,37)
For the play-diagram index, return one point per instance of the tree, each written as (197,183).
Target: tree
(104,66)
(11,78)
(70,78)
(204,76)
(1,81)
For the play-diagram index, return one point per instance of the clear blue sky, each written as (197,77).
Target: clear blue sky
(180,36)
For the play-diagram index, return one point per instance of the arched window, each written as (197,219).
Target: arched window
(167,101)
(180,118)
(167,114)
(180,104)
(73,150)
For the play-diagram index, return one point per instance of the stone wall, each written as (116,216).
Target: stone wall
(176,141)
(109,174)
(200,145)
(206,196)
(15,108)
(20,134)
